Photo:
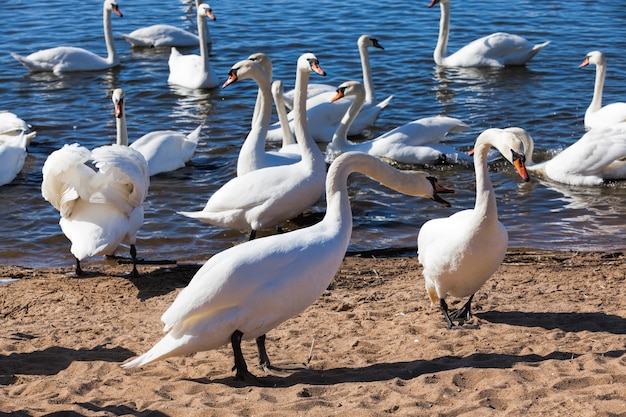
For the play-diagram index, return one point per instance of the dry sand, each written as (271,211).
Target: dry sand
(548,339)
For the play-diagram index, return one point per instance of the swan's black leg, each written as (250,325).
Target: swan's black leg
(444,308)
(79,270)
(264,360)
(241,368)
(465,312)
(133,255)
(252,234)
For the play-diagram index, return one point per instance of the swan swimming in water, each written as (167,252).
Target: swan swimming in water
(12,156)
(11,126)
(69,59)
(164,150)
(495,50)
(234,295)
(459,253)
(597,115)
(99,194)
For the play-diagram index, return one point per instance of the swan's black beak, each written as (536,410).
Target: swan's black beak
(437,188)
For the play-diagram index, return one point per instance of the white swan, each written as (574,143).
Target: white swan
(247,290)
(596,115)
(194,71)
(99,195)
(459,253)
(252,155)
(595,159)
(68,58)
(164,150)
(12,126)
(161,35)
(416,142)
(269,196)
(364,42)
(495,50)
(12,156)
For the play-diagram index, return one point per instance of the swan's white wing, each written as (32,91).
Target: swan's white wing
(122,179)
(425,131)
(161,35)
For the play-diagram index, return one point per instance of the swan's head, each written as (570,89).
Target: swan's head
(118,98)
(264,62)
(367,41)
(509,145)
(204,10)
(349,88)
(593,57)
(309,62)
(242,70)
(434,2)
(527,141)
(111,6)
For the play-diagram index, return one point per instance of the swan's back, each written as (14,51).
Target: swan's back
(498,49)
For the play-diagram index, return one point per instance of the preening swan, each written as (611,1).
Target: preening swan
(416,142)
(596,158)
(194,71)
(164,150)
(364,42)
(459,253)
(252,155)
(495,50)
(596,115)
(249,289)
(99,195)
(68,59)
(12,156)
(267,197)
(12,126)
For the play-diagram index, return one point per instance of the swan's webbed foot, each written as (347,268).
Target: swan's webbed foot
(464,313)
(265,363)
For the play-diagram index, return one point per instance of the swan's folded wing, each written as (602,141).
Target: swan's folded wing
(123,177)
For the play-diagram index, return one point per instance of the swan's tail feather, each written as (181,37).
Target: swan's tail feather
(166,347)
(385,102)
(540,46)
(22,60)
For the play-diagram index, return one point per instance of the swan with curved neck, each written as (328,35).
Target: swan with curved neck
(495,50)
(194,71)
(417,142)
(70,59)
(364,43)
(459,253)
(99,194)
(595,159)
(596,115)
(252,155)
(233,297)
(267,197)
(164,150)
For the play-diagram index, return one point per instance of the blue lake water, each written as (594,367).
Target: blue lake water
(548,97)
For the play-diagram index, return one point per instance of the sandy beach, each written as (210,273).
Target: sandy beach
(548,339)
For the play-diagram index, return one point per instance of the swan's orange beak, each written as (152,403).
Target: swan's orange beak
(210,15)
(439,189)
(340,94)
(119,106)
(584,63)
(520,166)
(116,10)
(315,66)
(232,77)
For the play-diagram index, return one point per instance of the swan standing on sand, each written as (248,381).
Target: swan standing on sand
(99,195)
(495,50)
(364,42)
(164,150)
(416,142)
(459,253)
(247,290)
(252,155)
(596,115)
(595,159)
(68,58)
(269,196)
(194,71)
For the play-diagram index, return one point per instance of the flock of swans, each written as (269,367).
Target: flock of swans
(245,291)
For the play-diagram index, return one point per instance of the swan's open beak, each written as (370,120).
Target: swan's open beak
(520,166)
(232,77)
(584,63)
(116,10)
(439,189)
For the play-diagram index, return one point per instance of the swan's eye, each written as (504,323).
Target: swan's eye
(517,156)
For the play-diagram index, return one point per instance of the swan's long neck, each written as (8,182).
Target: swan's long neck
(309,149)
(598,88)
(122,131)
(254,145)
(368,82)
(340,137)
(112,57)
(281,110)
(444,30)
(204,47)
(485,208)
